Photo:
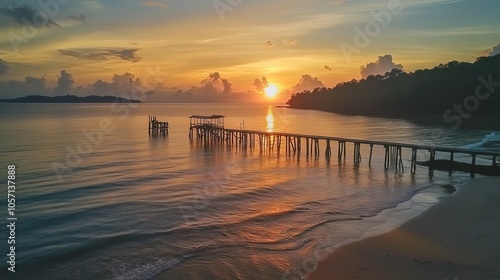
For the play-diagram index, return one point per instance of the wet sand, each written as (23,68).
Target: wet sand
(456,239)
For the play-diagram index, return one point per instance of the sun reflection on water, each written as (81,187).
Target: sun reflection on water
(270,120)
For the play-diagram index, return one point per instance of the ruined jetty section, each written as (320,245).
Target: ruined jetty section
(156,127)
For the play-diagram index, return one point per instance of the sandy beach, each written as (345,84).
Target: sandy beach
(456,239)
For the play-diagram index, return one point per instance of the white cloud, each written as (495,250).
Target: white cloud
(30,86)
(307,82)
(64,83)
(383,65)
(494,50)
(290,42)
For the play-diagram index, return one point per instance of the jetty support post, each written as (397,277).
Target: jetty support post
(278,144)
(260,142)
(328,150)
(357,153)
(345,150)
(293,142)
(316,147)
(413,160)
(342,150)
(307,146)
(386,158)
(311,146)
(371,153)
(450,171)
(431,162)
(473,167)
(299,146)
(400,159)
(149,124)
(287,144)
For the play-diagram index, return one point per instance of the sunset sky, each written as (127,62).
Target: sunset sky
(172,46)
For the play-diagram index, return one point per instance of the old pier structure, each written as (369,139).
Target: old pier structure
(210,130)
(156,127)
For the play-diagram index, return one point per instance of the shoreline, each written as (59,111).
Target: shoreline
(455,238)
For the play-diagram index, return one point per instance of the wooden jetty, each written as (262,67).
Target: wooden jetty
(210,129)
(204,124)
(156,127)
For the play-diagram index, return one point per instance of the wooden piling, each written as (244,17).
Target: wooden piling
(473,167)
(413,160)
(342,150)
(386,158)
(328,150)
(431,161)
(400,159)
(371,153)
(307,147)
(357,153)
(450,171)
(299,145)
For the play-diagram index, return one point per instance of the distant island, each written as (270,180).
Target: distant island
(69,99)
(454,89)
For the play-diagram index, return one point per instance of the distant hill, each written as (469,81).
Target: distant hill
(460,87)
(69,99)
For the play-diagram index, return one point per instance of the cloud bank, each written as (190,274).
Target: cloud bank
(307,82)
(383,65)
(214,84)
(18,16)
(30,86)
(64,83)
(260,85)
(81,18)
(103,55)
(3,67)
(213,88)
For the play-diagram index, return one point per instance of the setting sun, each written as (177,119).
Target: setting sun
(271,91)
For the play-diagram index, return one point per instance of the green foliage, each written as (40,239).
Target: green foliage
(428,91)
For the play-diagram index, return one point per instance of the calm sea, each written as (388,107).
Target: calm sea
(97,198)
